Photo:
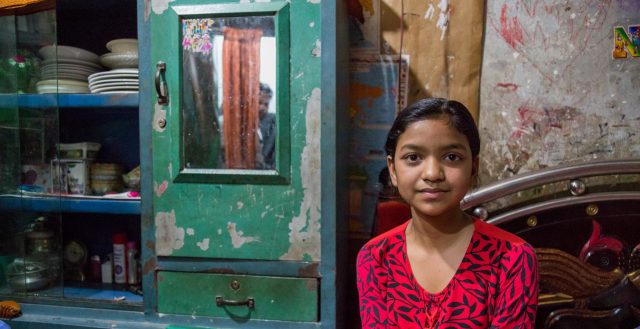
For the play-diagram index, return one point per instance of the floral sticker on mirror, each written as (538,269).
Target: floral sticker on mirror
(195,35)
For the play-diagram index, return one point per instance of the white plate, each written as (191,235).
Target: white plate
(114,88)
(54,73)
(131,71)
(117,92)
(67,70)
(71,61)
(48,73)
(113,83)
(53,52)
(113,78)
(114,91)
(72,66)
(65,76)
(94,79)
(119,60)
(62,82)
(62,90)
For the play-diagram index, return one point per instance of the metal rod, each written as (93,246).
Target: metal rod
(563,202)
(548,175)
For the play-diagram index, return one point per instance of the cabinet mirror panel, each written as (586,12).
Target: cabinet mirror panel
(228,105)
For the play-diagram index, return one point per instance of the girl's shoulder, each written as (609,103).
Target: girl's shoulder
(494,245)
(394,237)
(492,231)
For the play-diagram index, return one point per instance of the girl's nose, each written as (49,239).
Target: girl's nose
(432,170)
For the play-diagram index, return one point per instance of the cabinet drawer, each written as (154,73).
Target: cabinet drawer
(272,298)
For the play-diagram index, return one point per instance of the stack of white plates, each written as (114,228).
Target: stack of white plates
(62,86)
(114,81)
(68,63)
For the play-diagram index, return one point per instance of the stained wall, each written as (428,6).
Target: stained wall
(551,91)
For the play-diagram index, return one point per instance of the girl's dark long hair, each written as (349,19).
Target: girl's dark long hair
(427,108)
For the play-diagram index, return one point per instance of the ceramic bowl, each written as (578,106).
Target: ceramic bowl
(123,46)
(119,60)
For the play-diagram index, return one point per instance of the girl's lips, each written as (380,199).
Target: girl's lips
(431,193)
(432,190)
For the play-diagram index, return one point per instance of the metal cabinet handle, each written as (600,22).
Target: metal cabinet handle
(250,302)
(161,86)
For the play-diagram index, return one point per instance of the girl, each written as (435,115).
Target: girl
(442,268)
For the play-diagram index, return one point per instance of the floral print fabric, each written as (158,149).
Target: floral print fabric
(495,286)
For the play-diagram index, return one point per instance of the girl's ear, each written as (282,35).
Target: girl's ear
(392,171)
(474,170)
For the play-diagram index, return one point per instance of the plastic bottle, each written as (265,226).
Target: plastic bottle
(132,263)
(96,268)
(107,272)
(119,258)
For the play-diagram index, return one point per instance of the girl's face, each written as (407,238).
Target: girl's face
(433,167)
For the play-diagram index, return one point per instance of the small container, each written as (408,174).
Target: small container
(132,263)
(84,150)
(107,273)
(106,178)
(70,176)
(96,268)
(36,175)
(119,258)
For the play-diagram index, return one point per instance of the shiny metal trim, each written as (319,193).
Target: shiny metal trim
(563,202)
(548,175)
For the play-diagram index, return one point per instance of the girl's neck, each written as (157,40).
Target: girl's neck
(439,232)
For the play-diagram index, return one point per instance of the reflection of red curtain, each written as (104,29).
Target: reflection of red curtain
(241,85)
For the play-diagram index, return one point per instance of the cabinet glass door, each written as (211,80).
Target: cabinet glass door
(55,224)
(30,251)
(236,135)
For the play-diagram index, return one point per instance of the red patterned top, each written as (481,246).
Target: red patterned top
(496,285)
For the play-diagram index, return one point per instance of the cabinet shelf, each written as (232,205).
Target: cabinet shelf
(69,100)
(70,204)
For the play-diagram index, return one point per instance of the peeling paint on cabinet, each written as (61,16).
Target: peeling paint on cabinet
(160,188)
(237,237)
(159,6)
(305,227)
(204,244)
(317,51)
(169,236)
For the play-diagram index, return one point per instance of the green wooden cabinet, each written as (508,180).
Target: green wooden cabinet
(218,207)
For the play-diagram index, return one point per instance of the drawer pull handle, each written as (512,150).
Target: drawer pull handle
(250,302)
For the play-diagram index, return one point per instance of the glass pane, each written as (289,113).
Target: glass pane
(30,253)
(229,84)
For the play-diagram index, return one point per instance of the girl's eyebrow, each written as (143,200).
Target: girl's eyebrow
(452,146)
(455,146)
(409,146)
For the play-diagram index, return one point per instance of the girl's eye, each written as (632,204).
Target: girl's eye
(412,157)
(452,157)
